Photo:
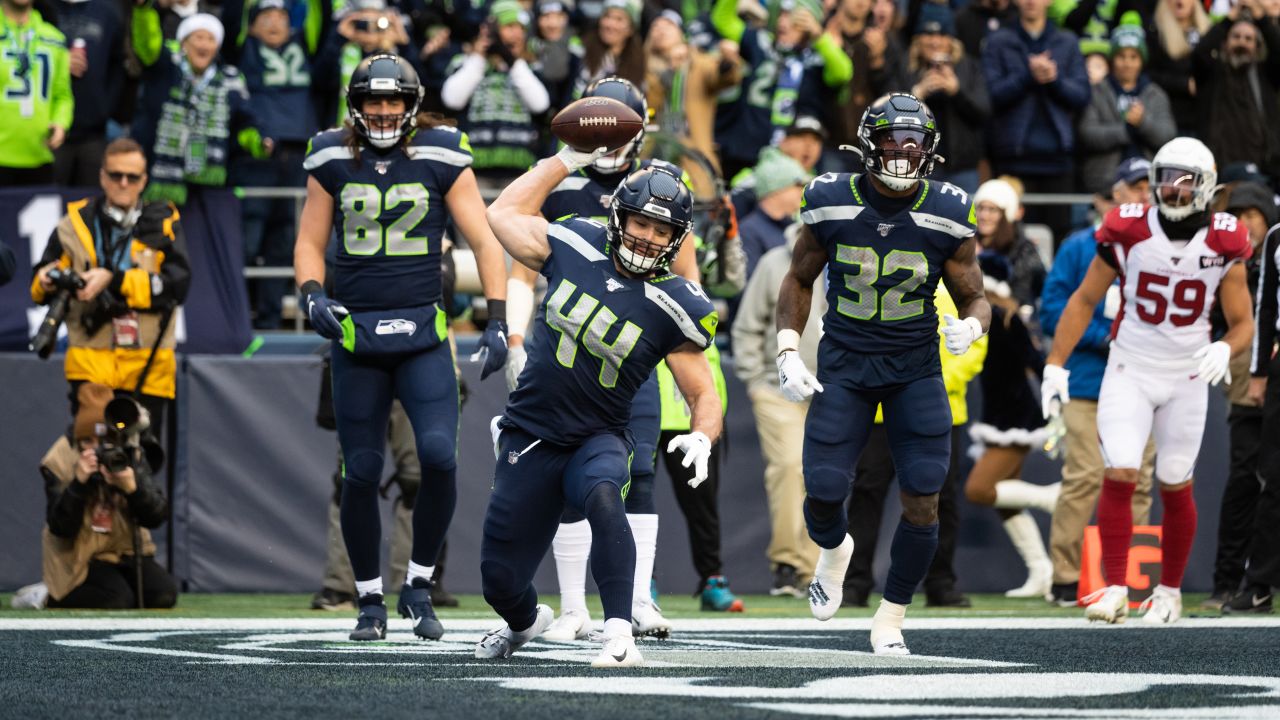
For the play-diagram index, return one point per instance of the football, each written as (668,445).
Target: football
(593,122)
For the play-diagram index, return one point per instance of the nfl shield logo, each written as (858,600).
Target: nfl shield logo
(381,166)
(885,229)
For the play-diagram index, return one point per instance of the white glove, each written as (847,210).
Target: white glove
(516,358)
(795,380)
(1111,306)
(960,334)
(575,160)
(494,433)
(697,452)
(1215,362)
(1054,390)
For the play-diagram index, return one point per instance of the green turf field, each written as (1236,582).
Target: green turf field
(267,655)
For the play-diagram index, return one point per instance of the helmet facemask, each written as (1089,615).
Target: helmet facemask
(383,130)
(1180,192)
(638,255)
(620,160)
(899,155)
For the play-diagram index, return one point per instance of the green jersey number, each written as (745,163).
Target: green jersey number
(865,303)
(589,321)
(20,87)
(362,231)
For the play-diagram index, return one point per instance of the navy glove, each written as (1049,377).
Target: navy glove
(493,343)
(325,314)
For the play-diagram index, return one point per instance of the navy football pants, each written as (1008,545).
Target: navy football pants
(533,484)
(363,387)
(645,426)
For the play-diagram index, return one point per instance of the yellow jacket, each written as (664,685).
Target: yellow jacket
(956,371)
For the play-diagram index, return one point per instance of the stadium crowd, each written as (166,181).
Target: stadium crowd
(1030,96)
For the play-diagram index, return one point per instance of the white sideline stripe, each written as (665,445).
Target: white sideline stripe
(344,624)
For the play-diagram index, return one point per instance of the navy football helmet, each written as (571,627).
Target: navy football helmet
(657,194)
(622,90)
(898,138)
(383,75)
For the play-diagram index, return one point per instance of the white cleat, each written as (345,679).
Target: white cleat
(826,590)
(1163,606)
(501,643)
(1110,604)
(571,625)
(619,652)
(886,629)
(1039,582)
(647,620)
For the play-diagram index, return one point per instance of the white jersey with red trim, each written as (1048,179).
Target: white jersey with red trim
(1167,288)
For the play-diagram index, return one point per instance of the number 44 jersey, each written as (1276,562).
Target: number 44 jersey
(1167,291)
(598,337)
(884,261)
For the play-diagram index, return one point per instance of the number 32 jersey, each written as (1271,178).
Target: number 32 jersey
(598,336)
(389,214)
(1167,291)
(883,267)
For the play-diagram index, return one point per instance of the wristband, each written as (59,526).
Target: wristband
(497,309)
(311,287)
(788,339)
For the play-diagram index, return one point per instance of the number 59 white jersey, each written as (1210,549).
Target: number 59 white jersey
(1167,290)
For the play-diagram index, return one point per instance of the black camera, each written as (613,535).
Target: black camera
(125,420)
(65,283)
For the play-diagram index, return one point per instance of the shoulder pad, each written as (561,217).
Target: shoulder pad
(325,146)
(1228,237)
(582,235)
(443,144)
(830,196)
(1125,226)
(687,305)
(948,202)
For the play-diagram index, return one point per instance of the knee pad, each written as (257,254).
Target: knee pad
(362,469)
(826,483)
(642,460)
(825,521)
(497,582)
(924,476)
(639,498)
(437,450)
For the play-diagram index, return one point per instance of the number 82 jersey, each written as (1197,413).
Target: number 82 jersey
(389,214)
(883,267)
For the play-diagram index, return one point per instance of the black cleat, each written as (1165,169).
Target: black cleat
(1253,599)
(786,582)
(950,598)
(372,623)
(855,597)
(1063,594)
(1216,601)
(415,604)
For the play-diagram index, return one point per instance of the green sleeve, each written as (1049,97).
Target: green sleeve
(837,66)
(148,38)
(61,102)
(724,18)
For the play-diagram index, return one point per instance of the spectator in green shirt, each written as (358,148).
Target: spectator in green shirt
(36,104)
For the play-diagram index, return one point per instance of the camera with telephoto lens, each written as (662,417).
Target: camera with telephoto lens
(126,420)
(65,283)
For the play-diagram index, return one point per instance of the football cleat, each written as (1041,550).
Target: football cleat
(786,582)
(372,622)
(1163,606)
(827,588)
(571,625)
(1253,599)
(501,643)
(1110,604)
(647,620)
(1217,600)
(619,651)
(717,597)
(415,604)
(886,629)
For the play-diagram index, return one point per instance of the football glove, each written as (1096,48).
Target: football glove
(326,315)
(1054,390)
(794,379)
(516,358)
(1215,362)
(575,160)
(960,334)
(697,452)
(492,350)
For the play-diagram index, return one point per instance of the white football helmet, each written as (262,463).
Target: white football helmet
(1184,178)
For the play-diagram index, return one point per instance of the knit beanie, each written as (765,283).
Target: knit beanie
(1002,195)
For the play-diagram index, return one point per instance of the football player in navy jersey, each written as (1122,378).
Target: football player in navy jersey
(587,193)
(886,237)
(612,311)
(388,190)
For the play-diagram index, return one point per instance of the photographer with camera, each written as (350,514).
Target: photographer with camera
(98,481)
(115,268)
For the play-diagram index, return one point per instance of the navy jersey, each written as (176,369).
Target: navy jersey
(883,268)
(389,214)
(279,81)
(599,336)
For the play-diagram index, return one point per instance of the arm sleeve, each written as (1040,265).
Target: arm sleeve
(837,67)
(147,36)
(724,18)
(530,89)
(462,83)
(61,102)
(65,505)
(1264,328)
